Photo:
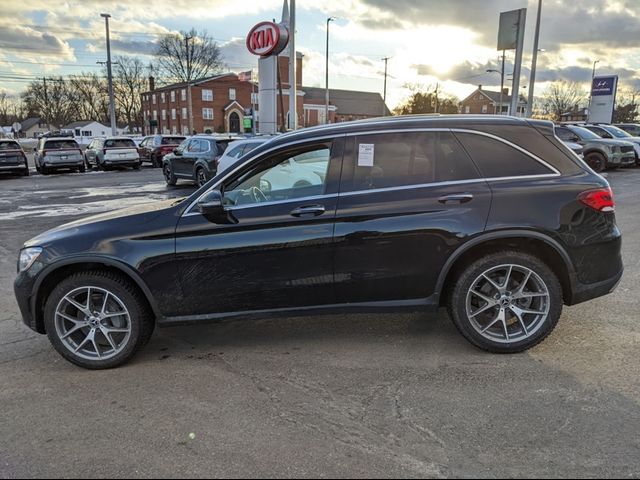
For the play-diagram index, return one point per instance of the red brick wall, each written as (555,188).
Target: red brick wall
(475,104)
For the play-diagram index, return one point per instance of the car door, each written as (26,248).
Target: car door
(90,152)
(145,152)
(277,250)
(183,163)
(407,201)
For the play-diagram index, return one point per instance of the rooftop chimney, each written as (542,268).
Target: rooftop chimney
(479,87)
(152,83)
(505,91)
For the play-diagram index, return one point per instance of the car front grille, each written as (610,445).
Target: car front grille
(627,149)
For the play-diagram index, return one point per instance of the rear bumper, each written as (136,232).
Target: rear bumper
(13,168)
(584,292)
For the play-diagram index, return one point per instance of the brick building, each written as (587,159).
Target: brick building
(488,102)
(218,104)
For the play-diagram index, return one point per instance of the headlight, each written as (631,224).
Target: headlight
(27,257)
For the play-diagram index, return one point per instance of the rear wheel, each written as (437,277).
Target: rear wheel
(596,161)
(25,172)
(506,302)
(44,170)
(82,169)
(201,176)
(97,320)
(169,177)
(156,161)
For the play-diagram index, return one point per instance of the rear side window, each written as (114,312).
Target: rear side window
(235,152)
(120,143)
(566,135)
(249,146)
(496,159)
(60,144)
(9,146)
(402,159)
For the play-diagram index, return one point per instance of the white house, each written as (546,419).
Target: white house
(87,129)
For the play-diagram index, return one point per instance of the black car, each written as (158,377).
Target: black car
(196,159)
(13,158)
(154,147)
(492,217)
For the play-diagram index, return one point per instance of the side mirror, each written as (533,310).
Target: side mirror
(212,208)
(35,149)
(177,152)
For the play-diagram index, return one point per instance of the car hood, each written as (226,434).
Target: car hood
(611,142)
(112,224)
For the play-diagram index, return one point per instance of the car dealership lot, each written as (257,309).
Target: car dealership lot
(356,395)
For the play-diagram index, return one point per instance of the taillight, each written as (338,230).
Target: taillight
(600,199)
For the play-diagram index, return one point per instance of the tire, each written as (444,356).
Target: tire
(25,172)
(82,169)
(169,176)
(471,314)
(136,167)
(156,162)
(138,322)
(596,161)
(44,170)
(201,177)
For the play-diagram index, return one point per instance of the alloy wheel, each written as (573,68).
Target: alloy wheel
(508,303)
(93,323)
(201,177)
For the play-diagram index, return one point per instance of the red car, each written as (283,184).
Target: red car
(155,147)
(12,158)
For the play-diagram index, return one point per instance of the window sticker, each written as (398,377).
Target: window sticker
(366,154)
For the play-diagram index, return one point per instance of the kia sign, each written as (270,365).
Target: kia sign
(267,39)
(603,99)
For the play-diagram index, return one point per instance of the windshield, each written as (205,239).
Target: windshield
(616,132)
(61,144)
(119,143)
(9,146)
(585,134)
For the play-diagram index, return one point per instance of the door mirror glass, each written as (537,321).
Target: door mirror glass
(210,205)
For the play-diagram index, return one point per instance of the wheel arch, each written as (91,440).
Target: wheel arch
(539,244)
(61,269)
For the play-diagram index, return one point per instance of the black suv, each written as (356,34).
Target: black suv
(196,159)
(492,217)
(12,158)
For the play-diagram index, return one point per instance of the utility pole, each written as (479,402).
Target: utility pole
(293,61)
(436,107)
(534,63)
(326,95)
(189,99)
(384,97)
(112,103)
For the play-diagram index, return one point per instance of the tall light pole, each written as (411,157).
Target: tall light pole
(384,97)
(293,60)
(112,103)
(534,62)
(326,94)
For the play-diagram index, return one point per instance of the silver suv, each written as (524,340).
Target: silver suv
(599,153)
(58,153)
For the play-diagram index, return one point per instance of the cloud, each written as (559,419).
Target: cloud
(22,39)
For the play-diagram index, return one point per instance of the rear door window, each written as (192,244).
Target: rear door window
(566,135)
(404,159)
(497,159)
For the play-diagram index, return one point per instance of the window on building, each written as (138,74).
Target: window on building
(485,108)
(207,95)
(207,113)
(467,109)
(174,130)
(173,115)
(155,115)
(232,94)
(173,96)
(77,132)
(164,114)
(87,133)
(183,94)
(497,159)
(184,112)
(163,98)
(153,98)
(185,130)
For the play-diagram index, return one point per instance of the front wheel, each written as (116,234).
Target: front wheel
(506,302)
(169,177)
(201,176)
(596,161)
(97,320)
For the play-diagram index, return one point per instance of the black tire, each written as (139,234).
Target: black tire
(25,172)
(201,177)
(169,176)
(142,321)
(596,161)
(156,162)
(44,170)
(464,281)
(82,169)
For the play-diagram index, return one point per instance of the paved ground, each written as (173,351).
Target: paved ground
(354,396)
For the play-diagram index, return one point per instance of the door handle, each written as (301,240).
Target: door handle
(459,197)
(311,210)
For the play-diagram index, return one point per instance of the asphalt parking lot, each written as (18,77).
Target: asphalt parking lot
(330,396)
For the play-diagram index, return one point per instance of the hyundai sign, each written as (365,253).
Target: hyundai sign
(603,99)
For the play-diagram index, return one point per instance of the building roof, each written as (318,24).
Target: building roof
(30,122)
(350,102)
(495,97)
(192,83)
(80,124)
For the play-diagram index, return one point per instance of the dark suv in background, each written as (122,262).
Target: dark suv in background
(492,217)
(12,158)
(195,159)
(155,147)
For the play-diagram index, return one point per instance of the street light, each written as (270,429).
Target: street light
(326,93)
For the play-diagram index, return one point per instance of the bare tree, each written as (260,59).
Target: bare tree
(129,81)
(188,56)
(50,98)
(562,97)
(89,97)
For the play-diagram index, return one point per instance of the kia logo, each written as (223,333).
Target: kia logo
(267,38)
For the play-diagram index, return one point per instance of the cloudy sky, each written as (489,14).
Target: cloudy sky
(452,42)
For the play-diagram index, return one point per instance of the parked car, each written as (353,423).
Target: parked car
(195,159)
(153,148)
(599,153)
(12,158)
(575,148)
(631,128)
(55,153)
(493,218)
(609,131)
(237,149)
(109,152)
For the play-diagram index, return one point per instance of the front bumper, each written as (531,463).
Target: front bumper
(623,159)
(23,289)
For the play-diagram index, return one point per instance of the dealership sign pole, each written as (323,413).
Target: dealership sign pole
(603,99)
(510,37)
